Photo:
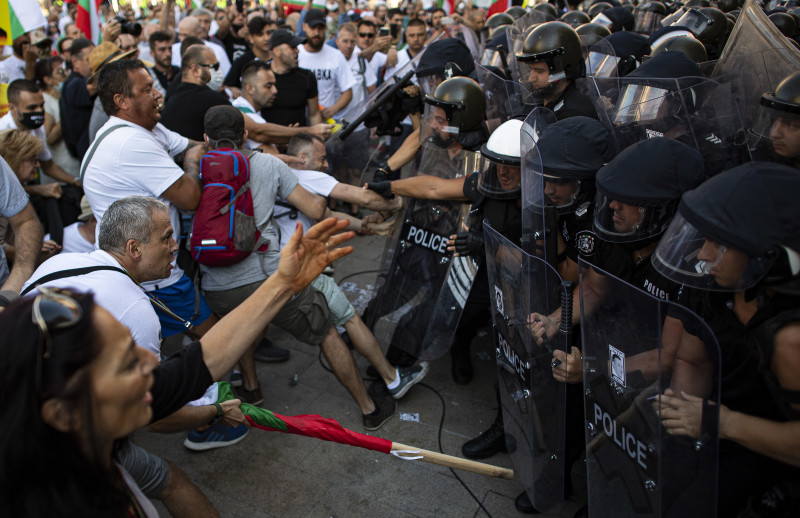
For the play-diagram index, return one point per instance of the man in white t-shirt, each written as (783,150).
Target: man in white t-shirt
(416,33)
(13,67)
(26,113)
(79,238)
(335,81)
(132,155)
(363,72)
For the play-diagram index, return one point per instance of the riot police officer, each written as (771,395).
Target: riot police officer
(550,61)
(779,121)
(736,238)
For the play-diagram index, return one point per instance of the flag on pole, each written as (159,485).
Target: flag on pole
(19,17)
(88,19)
(330,430)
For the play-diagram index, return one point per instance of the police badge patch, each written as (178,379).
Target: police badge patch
(584,242)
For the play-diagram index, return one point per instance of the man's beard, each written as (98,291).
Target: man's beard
(316,47)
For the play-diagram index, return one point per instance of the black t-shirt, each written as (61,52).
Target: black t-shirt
(181,378)
(234,77)
(294,90)
(576,230)
(619,262)
(234,47)
(163,80)
(187,106)
(76,110)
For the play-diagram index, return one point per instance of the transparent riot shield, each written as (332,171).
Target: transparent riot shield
(516,37)
(504,99)
(533,402)
(538,221)
(636,349)
(421,289)
(704,114)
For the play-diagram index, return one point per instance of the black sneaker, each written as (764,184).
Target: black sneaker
(384,410)
(486,444)
(252,397)
(269,352)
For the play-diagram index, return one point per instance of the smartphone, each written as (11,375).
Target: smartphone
(240,5)
(384,32)
(395,29)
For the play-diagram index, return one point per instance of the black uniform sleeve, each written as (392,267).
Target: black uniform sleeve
(181,378)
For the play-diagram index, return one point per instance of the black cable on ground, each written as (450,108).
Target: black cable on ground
(340,281)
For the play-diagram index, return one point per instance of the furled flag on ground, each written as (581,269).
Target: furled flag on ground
(330,430)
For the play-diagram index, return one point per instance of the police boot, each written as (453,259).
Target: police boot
(524,505)
(488,443)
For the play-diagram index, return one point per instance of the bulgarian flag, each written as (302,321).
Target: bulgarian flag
(18,17)
(290,6)
(88,19)
(330,430)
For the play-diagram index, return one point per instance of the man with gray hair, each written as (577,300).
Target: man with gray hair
(191,26)
(137,245)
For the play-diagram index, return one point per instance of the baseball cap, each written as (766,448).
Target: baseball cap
(281,36)
(224,123)
(315,17)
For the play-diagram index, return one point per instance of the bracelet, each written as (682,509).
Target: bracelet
(220,413)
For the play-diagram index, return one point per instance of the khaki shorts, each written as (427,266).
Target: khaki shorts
(305,316)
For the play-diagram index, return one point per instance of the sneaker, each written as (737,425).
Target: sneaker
(486,444)
(216,436)
(236,379)
(384,410)
(269,352)
(409,376)
(252,397)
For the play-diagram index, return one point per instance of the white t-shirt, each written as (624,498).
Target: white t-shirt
(314,182)
(12,68)
(113,291)
(133,161)
(378,61)
(402,60)
(365,76)
(7,122)
(61,156)
(245,107)
(219,51)
(332,72)
(74,242)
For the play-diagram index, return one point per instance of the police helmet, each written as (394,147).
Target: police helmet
(557,44)
(723,238)
(546,8)
(598,8)
(708,24)
(591,33)
(570,152)
(463,101)
(727,6)
(617,55)
(648,16)
(502,149)
(786,97)
(785,23)
(575,18)
(516,12)
(649,177)
(688,45)
(616,19)
(498,20)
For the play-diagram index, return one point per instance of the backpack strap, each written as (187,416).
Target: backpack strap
(63,274)
(96,143)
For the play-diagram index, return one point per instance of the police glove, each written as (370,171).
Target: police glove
(384,188)
(383,173)
(467,243)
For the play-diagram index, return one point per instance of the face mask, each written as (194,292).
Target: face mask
(59,86)
(32,120)
(217,77)
(236,28)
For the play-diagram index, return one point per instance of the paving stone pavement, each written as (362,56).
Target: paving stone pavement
(271,474)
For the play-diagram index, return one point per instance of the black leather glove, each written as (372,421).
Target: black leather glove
(468,243)
(383,173)
(384,188)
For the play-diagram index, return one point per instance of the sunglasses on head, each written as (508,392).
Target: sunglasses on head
(52,311)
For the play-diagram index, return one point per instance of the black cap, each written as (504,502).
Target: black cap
(314,17)
(224,123)
(281,36)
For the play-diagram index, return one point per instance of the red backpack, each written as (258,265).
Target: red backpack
(224,230)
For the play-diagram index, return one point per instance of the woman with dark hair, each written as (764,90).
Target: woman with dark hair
(50,76)
(74,386)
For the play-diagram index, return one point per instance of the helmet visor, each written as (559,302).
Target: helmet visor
(776,129)
(437,127)
(601,65)
(427,84)
(498,180)
(602,19)
(687,257)
(670,19)
(554,190)
(694,20)
(620,222)
(493,58)
(647,21)
(640,103)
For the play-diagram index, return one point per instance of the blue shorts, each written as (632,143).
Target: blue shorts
(180,299)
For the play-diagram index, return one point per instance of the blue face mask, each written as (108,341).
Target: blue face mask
(59,86)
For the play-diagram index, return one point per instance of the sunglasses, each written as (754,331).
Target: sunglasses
(367,34)
(213,67)
(52,311)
